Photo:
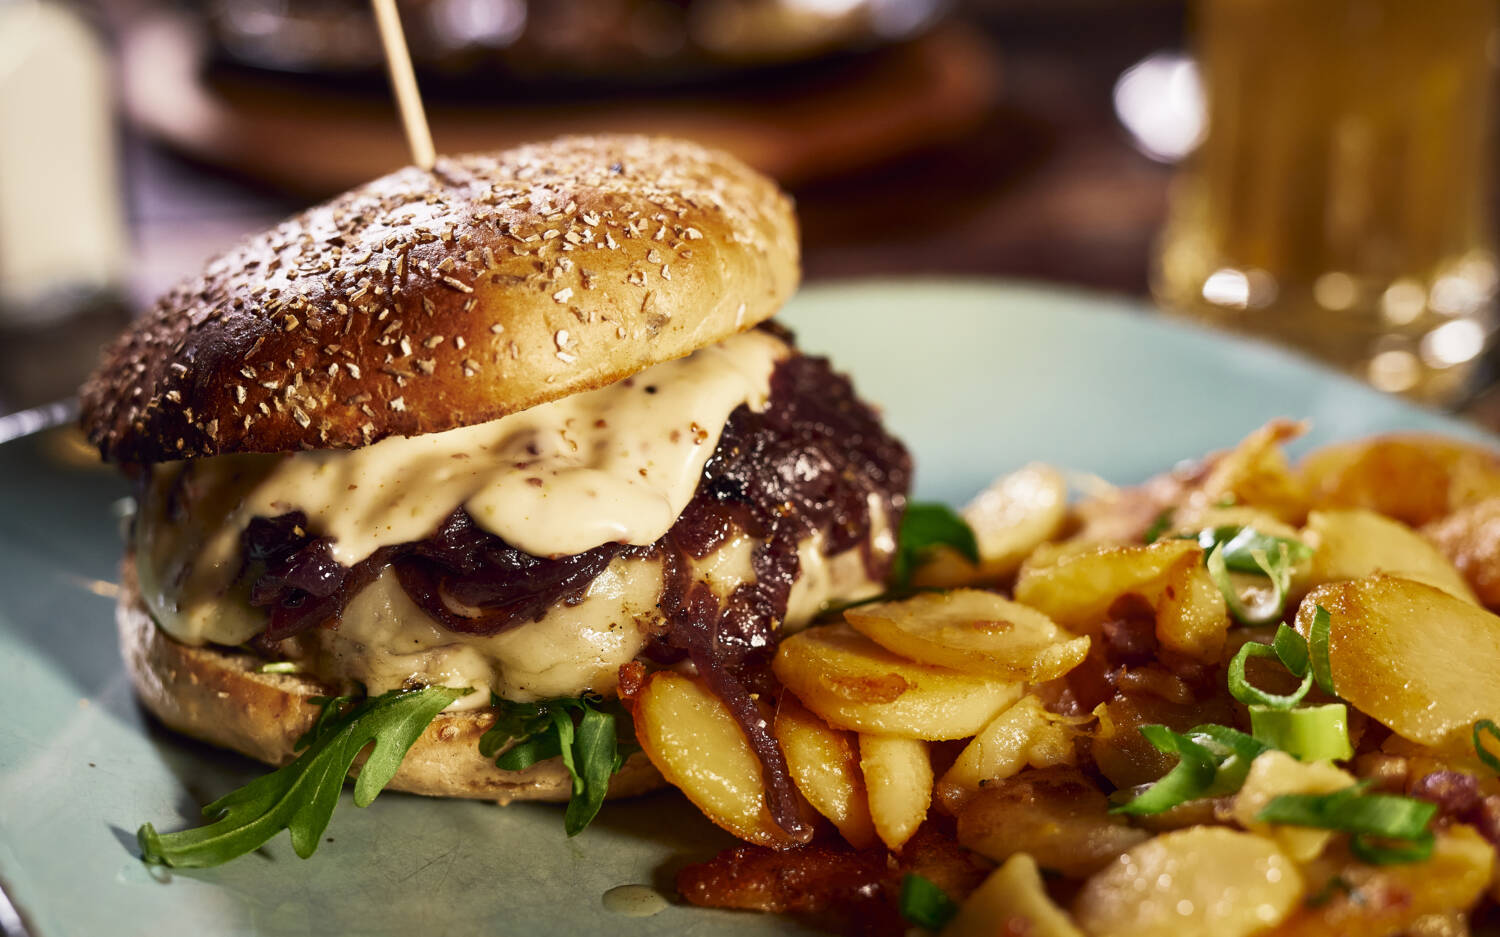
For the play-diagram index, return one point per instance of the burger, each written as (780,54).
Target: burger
(516,428)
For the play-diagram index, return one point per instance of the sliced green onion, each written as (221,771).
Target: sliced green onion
(1377,851)
(1279,571)
(1317,647)
(1371,818)
(1159,526)
(1241,689)
(924,904)
(1212,760)
(1314,733)
(1291,650)
(1482,728)
(1241,543)
(279,666)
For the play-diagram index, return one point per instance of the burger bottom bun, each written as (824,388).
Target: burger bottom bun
(216,694)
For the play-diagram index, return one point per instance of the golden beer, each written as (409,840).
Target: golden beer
(1339,199)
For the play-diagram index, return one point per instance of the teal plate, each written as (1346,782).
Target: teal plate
(977,377)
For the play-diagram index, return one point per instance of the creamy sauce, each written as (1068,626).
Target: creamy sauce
(614,465)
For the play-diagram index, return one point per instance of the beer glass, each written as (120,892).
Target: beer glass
(1339,201)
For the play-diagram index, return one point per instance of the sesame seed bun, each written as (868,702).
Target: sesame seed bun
(426,301)
(216,694)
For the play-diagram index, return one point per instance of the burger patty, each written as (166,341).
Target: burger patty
(814,464)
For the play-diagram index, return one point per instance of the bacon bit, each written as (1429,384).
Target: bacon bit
(632,677)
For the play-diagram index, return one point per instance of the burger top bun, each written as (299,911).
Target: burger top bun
(426,301)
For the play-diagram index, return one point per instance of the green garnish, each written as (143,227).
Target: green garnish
(592,749)
(1313,733)
(1161,525)
(1241,688)
(924,527)
(1385,829)
(1212,760)
(1482,728)
(1317,647)
(300,797)
(1247,550)
(924,904)
(1240,544)
(1277,569)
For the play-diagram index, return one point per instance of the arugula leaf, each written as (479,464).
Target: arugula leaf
(924,527)
(591,749)
(300,797)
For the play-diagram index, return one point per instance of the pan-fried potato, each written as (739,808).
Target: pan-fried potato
(1256,473)
(1191,615)
(1414,478)
(898,776)
(825,767)
(1009,519)
(1357,544)
(1056,816)
(854,683)
(972,631)
(1013,900)
(1470,539)
(1025,734)
(1274,773)
(1178,883)
(694,741)
(1385,900)
(1413,657)
(1077,590)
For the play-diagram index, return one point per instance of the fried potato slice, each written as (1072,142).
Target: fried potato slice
(898,776)
(1358,543)
(1054,815)
(1078,588)
(1379,901)
(1177,884)
(1412,477)
(854,683)
(1013,900)
(1010,518)
(824,765)
(694,741)
(1411,656)
(1025,734)
(1274,773)
(972,631)
(1470,539)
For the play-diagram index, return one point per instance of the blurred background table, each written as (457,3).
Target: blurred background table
(1045,184)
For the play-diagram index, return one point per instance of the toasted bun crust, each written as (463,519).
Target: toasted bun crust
(425,301)
(216,695)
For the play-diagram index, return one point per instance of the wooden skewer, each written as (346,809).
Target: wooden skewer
(404,83)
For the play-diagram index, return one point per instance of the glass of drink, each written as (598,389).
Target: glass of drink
(1339,200)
